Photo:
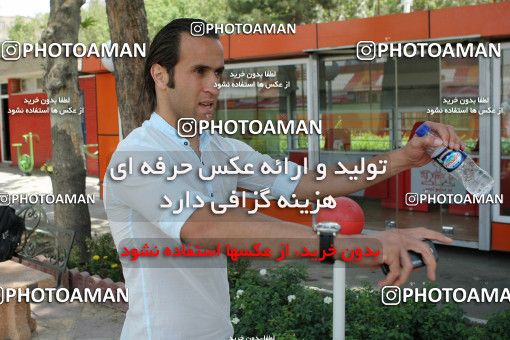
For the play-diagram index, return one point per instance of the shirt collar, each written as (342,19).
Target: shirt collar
(162,125)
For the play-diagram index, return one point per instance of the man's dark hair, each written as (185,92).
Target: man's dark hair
(164,50)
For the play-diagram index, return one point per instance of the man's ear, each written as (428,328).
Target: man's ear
(160,76)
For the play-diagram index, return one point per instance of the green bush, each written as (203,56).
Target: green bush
(367,141)
(498,326)
(505,146)
(269,144)
(276,302)
(104,259)
(367,317)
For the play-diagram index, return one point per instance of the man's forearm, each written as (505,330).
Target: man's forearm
(241,231)
(340,185)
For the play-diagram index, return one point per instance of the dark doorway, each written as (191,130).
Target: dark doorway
(6,139)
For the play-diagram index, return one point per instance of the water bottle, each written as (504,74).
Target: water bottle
(457,163)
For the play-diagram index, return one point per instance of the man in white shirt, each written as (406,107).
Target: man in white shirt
(181,300)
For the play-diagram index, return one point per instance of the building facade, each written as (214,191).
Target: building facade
(366,107)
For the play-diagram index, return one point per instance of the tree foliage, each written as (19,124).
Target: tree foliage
(94,25)
(161,12)
(28,29)
(419,5)
(284,11)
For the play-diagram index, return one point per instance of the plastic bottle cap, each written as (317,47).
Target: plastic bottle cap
(422,130)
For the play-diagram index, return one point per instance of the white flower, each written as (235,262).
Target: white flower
(263,271)
(291,298)
(239,293)
(328,300)
(235,320)
(241,306)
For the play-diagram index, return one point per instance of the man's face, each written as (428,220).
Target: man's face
(199,68)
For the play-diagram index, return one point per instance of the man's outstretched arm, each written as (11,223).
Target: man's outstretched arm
(414,154)
(241,231)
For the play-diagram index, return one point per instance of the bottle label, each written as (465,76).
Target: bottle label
(450,159)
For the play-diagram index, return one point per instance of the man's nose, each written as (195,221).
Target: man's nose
(211,86)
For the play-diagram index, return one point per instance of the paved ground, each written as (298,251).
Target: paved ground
(75,320)
(458,267)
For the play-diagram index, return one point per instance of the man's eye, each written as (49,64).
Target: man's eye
(200,70)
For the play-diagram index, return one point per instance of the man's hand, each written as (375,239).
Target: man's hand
(415,151)
(395,246)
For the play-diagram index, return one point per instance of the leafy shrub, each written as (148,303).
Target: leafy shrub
(498,326)
(276,302)
(367,141)
(104,260)
(505,146)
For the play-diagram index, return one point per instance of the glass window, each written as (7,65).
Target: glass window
(460,80)
(264,102)
(356,103)
(458,83)
(417,91)
(418,82)
(355,99)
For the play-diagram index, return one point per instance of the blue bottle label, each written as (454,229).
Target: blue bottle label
(450,159)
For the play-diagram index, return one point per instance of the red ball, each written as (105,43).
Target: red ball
(347,213)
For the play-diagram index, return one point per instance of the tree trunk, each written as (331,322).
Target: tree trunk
(61,80)
(128,24)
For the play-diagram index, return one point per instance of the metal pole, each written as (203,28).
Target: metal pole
(339,300)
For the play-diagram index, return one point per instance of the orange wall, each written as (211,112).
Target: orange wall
(92,65)
(107,121)
(259,45)
(393,27)
(106,98)
(500,236)
(489,20)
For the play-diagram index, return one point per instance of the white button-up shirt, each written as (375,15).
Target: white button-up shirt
(176,300)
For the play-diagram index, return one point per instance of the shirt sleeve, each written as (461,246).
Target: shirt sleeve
(283,184)
(145,194)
